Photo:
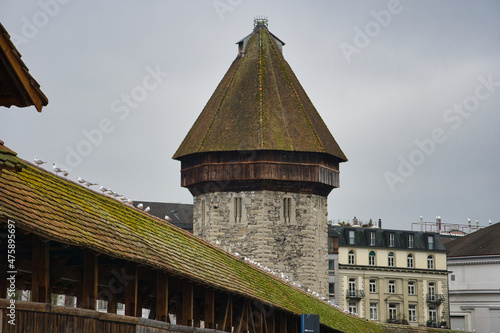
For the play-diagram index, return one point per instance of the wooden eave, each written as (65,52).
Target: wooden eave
(17,86)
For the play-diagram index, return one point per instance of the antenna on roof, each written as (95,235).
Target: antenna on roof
(260,21)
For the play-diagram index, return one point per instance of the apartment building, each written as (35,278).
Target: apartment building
(386,275)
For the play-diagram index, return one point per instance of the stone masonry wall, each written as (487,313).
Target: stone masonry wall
(295,246)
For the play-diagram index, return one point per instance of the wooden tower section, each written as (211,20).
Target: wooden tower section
(260,163)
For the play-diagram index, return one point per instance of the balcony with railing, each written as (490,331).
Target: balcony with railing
(435,298)
(354,293)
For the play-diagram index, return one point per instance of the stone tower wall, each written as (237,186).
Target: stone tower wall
(295,246)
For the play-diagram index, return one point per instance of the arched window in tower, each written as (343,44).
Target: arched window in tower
(351,257)
(390,259)
(430,262)
(410,261)
(371,258)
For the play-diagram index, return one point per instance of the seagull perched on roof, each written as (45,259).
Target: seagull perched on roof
(81,180)
(168,218)
(56,168)
(147,209)
(38,161)
(88,184)
(103,189)
(140,206)
(65,172)
(130,201)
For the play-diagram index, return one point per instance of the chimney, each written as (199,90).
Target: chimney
(380,223)
(438,223)
(421,223)
(354,221)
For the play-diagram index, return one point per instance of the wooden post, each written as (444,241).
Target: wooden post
(227,324)
(90,278)
(209,308)
(3,276)
(161,296)
(187,303)
(271,324)
(283,323)
(112,305)
(40,291)
(131,289)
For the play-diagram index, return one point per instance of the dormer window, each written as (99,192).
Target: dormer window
(372,239)
(391,239)
(352,237)
(411,241)
(430,242)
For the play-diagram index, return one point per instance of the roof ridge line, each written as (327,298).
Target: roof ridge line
(278,96)
(261,110)
(300,101)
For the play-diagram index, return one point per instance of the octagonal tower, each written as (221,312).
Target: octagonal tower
(260,163)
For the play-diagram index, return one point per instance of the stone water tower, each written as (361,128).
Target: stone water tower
(260,163)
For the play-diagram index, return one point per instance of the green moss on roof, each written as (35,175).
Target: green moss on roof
(259,105)
(64,211)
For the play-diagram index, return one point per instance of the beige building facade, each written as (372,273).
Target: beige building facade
(390,275)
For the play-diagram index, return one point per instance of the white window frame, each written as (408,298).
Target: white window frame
(393,311)
(412,313)
(373,311)
(411,241)
(411,288)
(391,239)
(353,307)
(433,314)
(372,238)
(351,257)
(410,261)
(371,258)
(352,237)
(392,286)
(373,285)
(430,242)
(430,262)
(391,259)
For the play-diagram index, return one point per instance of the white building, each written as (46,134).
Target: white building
(474,281)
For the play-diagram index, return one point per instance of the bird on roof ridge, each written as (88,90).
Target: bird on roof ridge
(147,209)
(88,184)
(38,161)
(103,189)
(81,180)
(140,206)
(56,168)
(65,172)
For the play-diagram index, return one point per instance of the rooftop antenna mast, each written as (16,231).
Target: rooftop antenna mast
(260,21)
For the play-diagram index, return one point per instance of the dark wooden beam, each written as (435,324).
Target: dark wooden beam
(3,275)
(162,296)
(209,308)
(187,303)
(270,322)
(131,284)
(227,324)
(40,290)
(90,279)
(112,305)
(282,323)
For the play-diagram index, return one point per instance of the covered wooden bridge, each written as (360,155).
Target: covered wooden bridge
(71,240)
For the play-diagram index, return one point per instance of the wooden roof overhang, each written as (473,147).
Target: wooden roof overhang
(17,86)
(286,171)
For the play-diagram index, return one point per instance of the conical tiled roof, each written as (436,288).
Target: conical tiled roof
(259,105)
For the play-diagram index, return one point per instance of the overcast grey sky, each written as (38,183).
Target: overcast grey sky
(409,89)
